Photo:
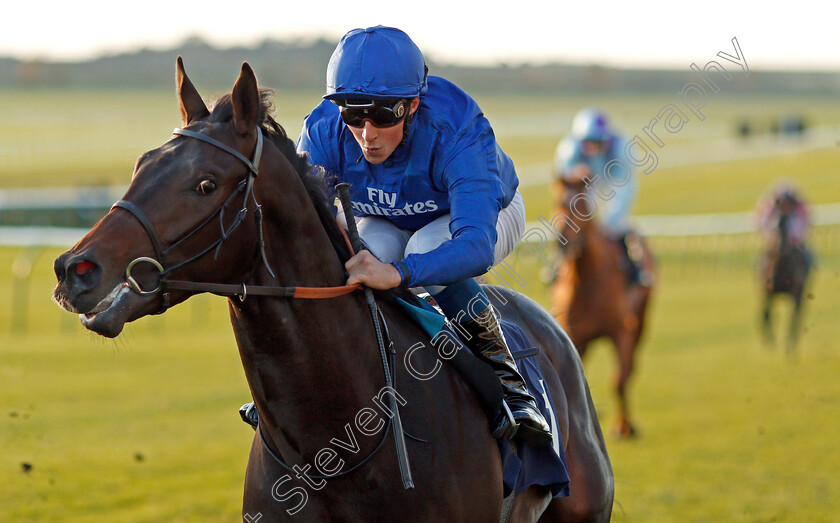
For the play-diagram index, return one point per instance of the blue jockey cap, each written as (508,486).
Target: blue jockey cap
(377,63)
(591,124)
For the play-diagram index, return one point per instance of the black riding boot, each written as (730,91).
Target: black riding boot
(487,341)
(632,252)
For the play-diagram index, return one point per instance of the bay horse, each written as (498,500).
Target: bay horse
(590,295)
(311,364)
(784,271)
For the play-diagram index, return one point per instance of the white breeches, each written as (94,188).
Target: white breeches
(389,243)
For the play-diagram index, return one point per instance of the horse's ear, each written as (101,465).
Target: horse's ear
(246,101)
(192,106)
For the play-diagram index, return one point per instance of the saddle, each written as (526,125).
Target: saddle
(523,465)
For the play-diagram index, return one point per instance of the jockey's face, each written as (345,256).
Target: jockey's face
(378,143)
(785,205)
(593,148)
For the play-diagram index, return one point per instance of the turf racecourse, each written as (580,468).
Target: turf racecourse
(144,428)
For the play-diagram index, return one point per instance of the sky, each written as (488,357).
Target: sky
(799,35)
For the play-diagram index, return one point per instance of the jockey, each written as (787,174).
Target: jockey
(583,156)
(435,197)
(783,210)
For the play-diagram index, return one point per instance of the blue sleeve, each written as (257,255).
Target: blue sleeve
(320,142)
(472,180)
(617,208)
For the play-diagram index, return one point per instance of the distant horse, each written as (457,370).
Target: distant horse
(784,270)
(190,223)
(591,295)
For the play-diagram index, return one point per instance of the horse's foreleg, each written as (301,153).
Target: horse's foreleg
(796,315)
(624,349)
(766,325)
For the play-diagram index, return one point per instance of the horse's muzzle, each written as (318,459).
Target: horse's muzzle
(77,274)
(103,296)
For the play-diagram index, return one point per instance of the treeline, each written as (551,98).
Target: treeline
(302,65)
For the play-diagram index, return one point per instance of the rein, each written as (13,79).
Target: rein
(222,289)
(243,290)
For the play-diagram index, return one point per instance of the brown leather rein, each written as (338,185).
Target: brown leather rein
(242,290)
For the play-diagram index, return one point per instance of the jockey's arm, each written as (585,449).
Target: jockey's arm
(475,194)
(617,208)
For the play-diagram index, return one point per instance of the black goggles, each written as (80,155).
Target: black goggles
(380,113)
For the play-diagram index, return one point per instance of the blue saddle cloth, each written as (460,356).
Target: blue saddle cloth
(529,465)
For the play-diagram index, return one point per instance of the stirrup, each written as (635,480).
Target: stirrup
(533,427)
(248,413)
(506,427)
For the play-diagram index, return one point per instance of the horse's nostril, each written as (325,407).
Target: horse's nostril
(84,267)
(81,272)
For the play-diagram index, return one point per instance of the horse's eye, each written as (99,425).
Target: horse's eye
(206,186)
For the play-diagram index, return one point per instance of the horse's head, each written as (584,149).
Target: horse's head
(190,213)
(577,211)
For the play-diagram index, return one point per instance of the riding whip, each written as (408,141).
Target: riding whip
(343,191)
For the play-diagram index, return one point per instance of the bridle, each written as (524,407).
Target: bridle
(242,290)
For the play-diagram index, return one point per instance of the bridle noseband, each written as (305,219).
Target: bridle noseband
(159,261)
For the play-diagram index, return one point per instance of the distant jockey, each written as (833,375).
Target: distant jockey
(782,215)
(584,155)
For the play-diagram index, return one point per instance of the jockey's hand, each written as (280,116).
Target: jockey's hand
(578,172)
(366,269)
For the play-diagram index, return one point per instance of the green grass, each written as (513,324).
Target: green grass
(726,187)
(529,129)
(730,430)
(71,138)
(144,428)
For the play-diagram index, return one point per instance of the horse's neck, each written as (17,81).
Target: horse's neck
(309,363)
(784,226)
(593,259)
(303,358)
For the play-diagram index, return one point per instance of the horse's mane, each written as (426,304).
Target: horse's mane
(314,179)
